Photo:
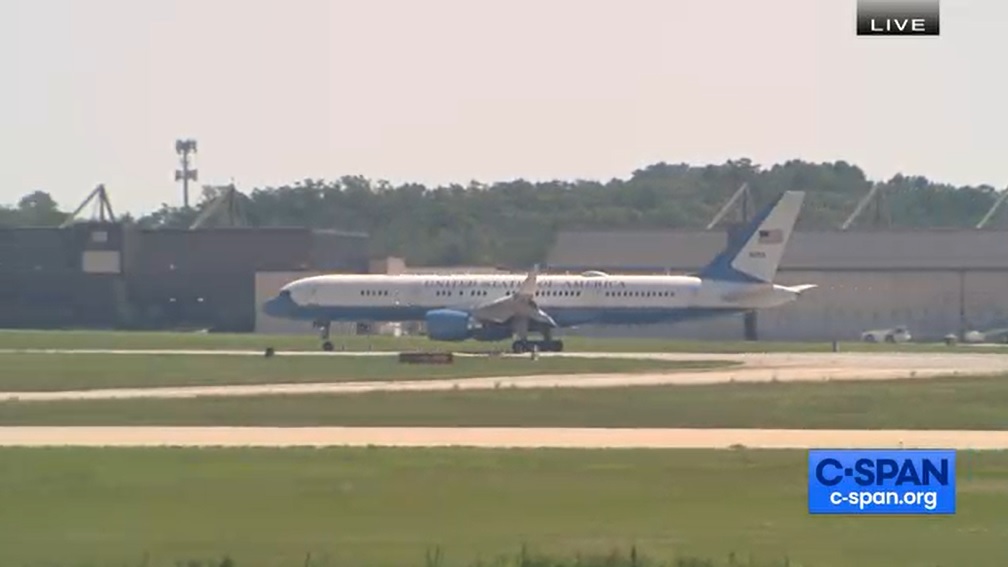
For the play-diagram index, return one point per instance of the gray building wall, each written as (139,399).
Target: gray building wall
(686,250)
(936,282)
(716,329)
(847,303)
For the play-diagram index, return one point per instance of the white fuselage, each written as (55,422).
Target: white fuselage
(493,306)
(572,299)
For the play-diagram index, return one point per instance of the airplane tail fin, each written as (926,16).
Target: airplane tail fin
(756,254)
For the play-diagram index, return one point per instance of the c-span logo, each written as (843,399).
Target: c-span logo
(853,481)
(897,17)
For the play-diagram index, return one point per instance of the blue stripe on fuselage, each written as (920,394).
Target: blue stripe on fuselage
(284,307)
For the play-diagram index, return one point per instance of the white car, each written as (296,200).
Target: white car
(989,336)
(894,335)
(972,337)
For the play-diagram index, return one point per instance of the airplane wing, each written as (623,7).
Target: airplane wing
(520,304)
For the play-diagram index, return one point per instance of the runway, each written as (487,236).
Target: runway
(754,367)
(529,438)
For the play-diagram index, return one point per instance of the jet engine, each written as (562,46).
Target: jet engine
(454,325)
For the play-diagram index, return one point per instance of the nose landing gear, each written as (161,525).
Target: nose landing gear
(323,327)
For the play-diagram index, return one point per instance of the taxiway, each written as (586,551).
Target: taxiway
(753,367)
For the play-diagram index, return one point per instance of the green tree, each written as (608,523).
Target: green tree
(514,223)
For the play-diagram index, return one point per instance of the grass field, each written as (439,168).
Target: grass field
(46,372)
(387,507)
(165,340)
(943,403)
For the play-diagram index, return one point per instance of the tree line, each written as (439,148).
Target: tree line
(514,222)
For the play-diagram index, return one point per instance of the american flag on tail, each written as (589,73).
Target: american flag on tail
(772,236)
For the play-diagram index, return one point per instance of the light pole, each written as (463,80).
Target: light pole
(183,148)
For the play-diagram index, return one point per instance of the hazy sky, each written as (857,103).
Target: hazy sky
(440,91)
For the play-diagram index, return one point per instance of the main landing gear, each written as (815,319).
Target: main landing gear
(323,327)
(521,346)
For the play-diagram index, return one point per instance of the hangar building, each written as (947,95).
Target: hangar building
(933,281)
(106,274)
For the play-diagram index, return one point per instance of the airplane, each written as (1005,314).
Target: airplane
(497,307)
